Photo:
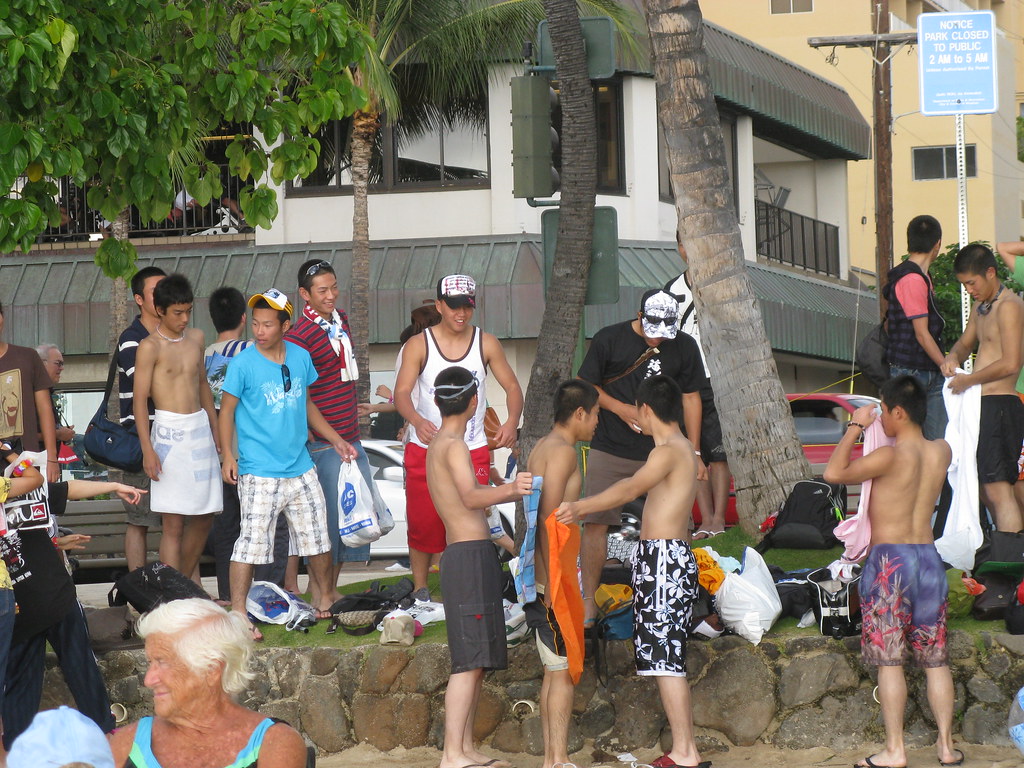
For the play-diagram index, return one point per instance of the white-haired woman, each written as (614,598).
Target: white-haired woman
(198,657)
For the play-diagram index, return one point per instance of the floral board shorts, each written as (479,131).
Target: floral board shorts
(903,592)
(664,591)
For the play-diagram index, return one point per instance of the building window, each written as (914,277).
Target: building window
(608,116)
(792,6)
(608,111)
(940,162)
(422,151)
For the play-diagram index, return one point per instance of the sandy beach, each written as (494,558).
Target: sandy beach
(978,756)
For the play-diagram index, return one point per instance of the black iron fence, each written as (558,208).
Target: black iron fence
(800,241)
(79,222)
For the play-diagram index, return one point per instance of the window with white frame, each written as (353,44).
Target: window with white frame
(792,6)
(940,162)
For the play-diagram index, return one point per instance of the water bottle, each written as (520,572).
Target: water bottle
(1015,722)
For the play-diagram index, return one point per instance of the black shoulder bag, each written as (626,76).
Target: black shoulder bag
(109,442)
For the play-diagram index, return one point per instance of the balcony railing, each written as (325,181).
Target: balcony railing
(79,222)
(799,241)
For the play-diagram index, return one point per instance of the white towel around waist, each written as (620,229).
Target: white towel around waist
(190,481)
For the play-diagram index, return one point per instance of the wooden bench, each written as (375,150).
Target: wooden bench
(104,520)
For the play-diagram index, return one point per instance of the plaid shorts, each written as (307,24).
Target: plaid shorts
(262,499)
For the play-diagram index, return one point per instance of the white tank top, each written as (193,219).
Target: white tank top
(433,364)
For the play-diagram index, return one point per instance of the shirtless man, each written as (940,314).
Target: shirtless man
(453,341)
(903,585)
(470,572)
(554,458)
(661,615)
(995,329)
(180,448)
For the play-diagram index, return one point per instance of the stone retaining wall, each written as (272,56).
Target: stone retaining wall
(795,692)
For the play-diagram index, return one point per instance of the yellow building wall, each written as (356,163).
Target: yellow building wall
(994,196)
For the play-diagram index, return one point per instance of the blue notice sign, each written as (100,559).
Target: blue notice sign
(957,63)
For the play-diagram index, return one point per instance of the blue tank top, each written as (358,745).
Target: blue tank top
(141,755)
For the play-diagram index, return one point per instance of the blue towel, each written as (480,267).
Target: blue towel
(526,578)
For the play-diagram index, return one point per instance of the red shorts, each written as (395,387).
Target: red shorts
(426,531)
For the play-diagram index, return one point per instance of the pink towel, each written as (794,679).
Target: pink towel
(855,532)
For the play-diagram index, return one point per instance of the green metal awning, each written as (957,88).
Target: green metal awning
(802,315)
(790,105)
(783,98)
(64,299)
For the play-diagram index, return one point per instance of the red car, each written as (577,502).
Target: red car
(820,420)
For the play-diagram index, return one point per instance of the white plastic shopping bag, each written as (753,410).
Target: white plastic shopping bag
(357,519)
(748,601)
(268,603)
(384,517)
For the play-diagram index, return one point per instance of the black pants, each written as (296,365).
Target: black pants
(69,639)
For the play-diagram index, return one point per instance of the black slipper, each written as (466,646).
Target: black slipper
(869,763)
(954,762)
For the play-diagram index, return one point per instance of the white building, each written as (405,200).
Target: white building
(443,203)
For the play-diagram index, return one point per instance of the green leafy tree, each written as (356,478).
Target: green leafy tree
(109,93)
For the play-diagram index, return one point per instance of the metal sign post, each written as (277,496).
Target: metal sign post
(961,215)
(957,68)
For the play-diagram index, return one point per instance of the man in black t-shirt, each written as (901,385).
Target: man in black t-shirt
(620,357)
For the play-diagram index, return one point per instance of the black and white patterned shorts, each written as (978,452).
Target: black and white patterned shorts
(664,590)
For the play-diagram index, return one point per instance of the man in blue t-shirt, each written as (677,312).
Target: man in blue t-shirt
(265,398)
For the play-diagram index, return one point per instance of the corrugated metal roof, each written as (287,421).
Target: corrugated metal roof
(63,298)
(783,97)
(790,105)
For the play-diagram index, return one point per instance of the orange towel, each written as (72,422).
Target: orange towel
(563,590)
(710,573)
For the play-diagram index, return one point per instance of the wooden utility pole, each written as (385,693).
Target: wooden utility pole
(879,41)
(881,74)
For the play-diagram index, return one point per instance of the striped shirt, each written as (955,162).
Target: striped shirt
(335,398)
(127,346)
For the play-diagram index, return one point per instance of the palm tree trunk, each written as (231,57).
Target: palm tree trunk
(364,131)
(764,452)
(563,309)
(119,300)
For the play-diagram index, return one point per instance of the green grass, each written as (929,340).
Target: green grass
(731,544)
(275,635)
(735,540)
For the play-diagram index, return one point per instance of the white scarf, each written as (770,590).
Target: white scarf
(340,341)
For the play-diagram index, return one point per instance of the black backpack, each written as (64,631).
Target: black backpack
(152,585)
(808,518)
(836,603)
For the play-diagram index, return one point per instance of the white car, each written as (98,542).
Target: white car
(386,461)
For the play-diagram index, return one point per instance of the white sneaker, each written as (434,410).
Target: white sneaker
(397,568)
(516,627)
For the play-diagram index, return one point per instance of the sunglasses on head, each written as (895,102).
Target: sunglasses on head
(286,377)
(655,320)
(320,266)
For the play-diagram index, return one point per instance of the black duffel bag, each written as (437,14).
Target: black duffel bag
(1000,552)
(872,355)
